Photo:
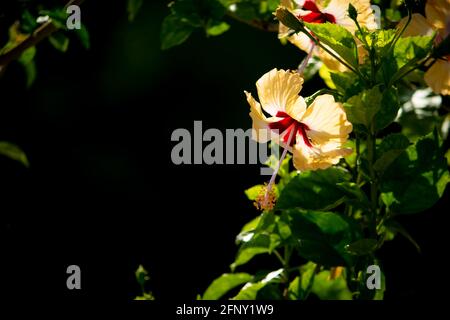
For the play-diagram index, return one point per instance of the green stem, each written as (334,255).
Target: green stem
(311,98)
(373,182)
(287,257)
(398,35)
(279,257)
(358,155)
(331,53)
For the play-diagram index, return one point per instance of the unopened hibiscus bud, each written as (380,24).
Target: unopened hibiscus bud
(352,13)
(288,19)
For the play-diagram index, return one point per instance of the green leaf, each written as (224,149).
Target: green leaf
(395,227)
(347,83)
(251,225)
(27,56)
(391,147)
(315,190)
(83,36)
(406,53)
(264,223)
(417,178)
(133,7)
(300,287)
(59,41)
(257,244)
(295,290)
(362,108)
(362,247)
(27,62)
(225,283)
(328,289)
(321,237)
(409,48)
(28,22)
(217,28)
(13,152)
(174,32)
(272,5)
(380,40)
(379,293)
(250,290)
(141,275)
(145,296)
(388,110)
(393,15)
(337,38)
(30,73)
(58,17)
(198,12)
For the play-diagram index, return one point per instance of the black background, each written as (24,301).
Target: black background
(101,191)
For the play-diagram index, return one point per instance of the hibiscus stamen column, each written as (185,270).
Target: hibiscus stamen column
(305,61)
(275,172)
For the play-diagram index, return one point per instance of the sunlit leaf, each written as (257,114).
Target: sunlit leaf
(330,289)
(13,152)
(174,32)
(389,149)
(362,108)
(321,237)
(217,28)
(250,290)
(133,7)
(417,178)
(225,283)
(59,41)
(362,247)
(337,38)
(315,190)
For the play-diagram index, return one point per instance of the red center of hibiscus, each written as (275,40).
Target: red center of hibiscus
(316,16)
(287,124)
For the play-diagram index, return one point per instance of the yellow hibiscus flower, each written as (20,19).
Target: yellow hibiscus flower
(437,19)
(315,135)
(333,11)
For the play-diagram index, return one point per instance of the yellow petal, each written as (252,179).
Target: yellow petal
(328,132)
(261,132)
(438,14)
(326,116)
(418,26)
(301,41)
(297,109)
(339,9)
(278,90)
(438,77)
(331,62)
(306,158)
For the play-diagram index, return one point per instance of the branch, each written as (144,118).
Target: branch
(258,24)
(31,40)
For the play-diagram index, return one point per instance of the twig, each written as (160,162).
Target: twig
(33,39)
(258,24)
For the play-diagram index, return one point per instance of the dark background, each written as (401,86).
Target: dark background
(101,191)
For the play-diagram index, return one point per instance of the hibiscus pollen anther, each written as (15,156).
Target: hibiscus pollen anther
(266,199)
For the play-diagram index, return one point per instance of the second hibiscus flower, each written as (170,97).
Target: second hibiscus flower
(315,135)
